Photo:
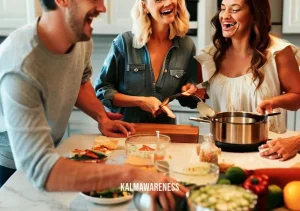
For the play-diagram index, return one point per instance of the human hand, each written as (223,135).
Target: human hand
(189,88)
(165,198)
(114,116)
(150,104)
(201,92)
(266,105)
(115,128)
(281,148)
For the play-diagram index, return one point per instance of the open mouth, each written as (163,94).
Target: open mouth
(167,12)
(229,25)
(89,20)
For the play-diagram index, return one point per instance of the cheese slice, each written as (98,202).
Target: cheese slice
(106,142)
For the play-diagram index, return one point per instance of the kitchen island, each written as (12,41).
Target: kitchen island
(19,195)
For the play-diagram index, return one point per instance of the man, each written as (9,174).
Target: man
(44,71)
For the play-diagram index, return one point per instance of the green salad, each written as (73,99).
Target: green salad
(109,193)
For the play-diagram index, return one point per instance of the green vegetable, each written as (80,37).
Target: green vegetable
(275,197)
(84,157)
(224,181)
(236,175)
(109,193)
(99,154)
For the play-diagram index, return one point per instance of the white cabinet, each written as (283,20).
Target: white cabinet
(297,119)
(16,13)
(291,16)
(117,18)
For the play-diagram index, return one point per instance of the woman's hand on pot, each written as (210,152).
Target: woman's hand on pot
(282,148)
(266,105)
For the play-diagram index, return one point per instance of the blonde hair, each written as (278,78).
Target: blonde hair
(142,29)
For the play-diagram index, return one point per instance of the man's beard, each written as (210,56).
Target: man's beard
(78,30)
(76,25)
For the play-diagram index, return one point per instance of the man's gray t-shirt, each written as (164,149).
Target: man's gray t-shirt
(38,90)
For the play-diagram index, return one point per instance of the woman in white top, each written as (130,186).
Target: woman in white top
(247,69)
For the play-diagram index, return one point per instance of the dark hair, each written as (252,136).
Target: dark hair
(259,38)
(49,4)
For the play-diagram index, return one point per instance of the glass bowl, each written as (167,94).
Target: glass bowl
(143,149)
(222,197)
(189,173)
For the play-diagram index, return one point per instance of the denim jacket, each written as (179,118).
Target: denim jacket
(128,70)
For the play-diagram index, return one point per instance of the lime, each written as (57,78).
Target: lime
(275,197)
(224,181)
(236,175)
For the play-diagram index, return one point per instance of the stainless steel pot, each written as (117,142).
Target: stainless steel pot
(238,127)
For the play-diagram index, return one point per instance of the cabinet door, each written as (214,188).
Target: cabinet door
(117,18)
(291,16)
(13,14)
(297,121)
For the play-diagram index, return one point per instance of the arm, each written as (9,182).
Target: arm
(89,104)
(286,147)
(33,148)
(289,76)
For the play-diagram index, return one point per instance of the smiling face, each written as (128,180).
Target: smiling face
(235,18)
(161,11)
(80,15)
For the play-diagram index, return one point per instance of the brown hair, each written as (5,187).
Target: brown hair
(259,38)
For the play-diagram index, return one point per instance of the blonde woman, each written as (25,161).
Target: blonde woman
(149,63)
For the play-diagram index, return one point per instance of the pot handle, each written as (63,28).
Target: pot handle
(200,119)
(273,114)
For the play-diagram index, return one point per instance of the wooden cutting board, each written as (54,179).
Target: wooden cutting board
(177,133)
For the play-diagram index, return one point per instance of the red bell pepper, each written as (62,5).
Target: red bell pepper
(90,154)
(258,184)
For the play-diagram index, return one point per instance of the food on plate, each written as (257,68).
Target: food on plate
(223,197)
(105,144)
(291,195)
(87,156)
(236,175)
(109,193)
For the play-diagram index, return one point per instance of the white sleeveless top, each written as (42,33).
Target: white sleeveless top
(240,94)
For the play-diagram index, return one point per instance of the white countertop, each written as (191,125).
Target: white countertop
(18,194)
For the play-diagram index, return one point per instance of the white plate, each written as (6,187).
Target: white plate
(107,200)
